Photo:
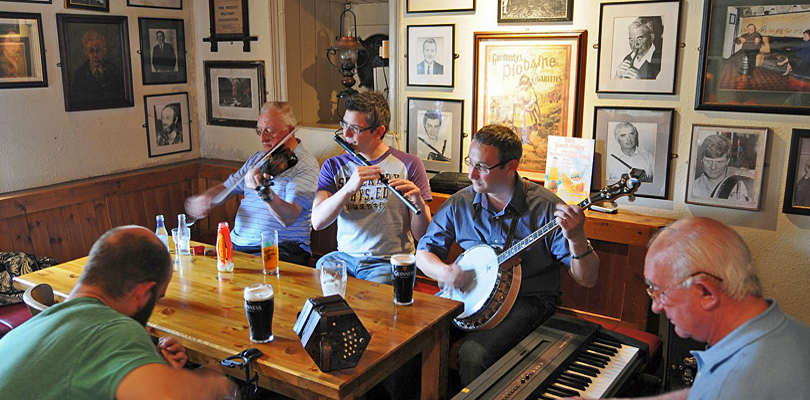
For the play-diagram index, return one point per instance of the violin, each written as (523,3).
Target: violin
(281,159)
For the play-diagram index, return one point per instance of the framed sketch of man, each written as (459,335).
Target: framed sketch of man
(168,125)
(726,165)
(234,91)
(638,47)
(22,52)
(797,187)
(629,138)
(435,132)
(431,53)
(163,49)
(96,70)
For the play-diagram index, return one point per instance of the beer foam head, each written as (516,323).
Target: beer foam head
(258,292)
(403,259)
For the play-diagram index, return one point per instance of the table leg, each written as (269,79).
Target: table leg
(435,365)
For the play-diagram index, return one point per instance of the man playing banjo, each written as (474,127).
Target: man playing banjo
(483,213)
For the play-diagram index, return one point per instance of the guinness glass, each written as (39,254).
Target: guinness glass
(259,309)
(403,277)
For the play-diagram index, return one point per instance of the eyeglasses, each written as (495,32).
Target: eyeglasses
(268,132)
(655,295)
(481,168)
(354,129)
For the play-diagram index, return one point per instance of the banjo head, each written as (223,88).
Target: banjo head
(483,260)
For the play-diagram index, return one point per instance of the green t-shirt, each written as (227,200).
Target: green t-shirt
(80,349)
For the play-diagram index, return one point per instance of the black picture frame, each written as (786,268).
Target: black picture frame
(444,6)
(654,129)
(726,166)
(446,117)
(442,40)
(160,108)
(22,51)
(164,4)
(229,22)
(656,25)
(90,5)
(30,1)
(169,64)
(536,11)
(797,186)
(222,80)
(726,83)
(82,90)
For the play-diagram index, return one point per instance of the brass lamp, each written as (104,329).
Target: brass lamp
(348,49)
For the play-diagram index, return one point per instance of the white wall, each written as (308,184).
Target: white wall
(778,241)
(42,144)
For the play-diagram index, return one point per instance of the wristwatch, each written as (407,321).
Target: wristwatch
(585,254)
(265,193)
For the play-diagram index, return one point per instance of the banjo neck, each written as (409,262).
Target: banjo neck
(544,231)
(626,186)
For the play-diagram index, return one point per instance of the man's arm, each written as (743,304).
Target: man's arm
(198,206)
(327,206)
(585,270)
(286,213)
(160,381)
(419,223)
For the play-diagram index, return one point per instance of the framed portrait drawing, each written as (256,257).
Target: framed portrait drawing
(234,92)
(168,4)
(530,82)
(726,165)
(431,55)
(758,63)
(797,188)
(168,124)
(22,52)
(92,5)
(634,138)
(535,11)
(163,50)
(425,6)
(435,132)
(96,70)
(638,47)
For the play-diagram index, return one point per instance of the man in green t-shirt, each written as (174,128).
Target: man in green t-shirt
(94,345)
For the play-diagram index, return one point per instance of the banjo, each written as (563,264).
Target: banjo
(489,297)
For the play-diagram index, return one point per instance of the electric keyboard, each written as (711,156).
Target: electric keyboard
(563,357)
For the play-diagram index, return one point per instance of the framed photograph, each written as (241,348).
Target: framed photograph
(168,124)
(634,138)
(163,50)
(797,188)
(535,11)
(230,22)
(638,47)
(532,83)
(22,52)
(435,132)
(759,63)
(169,4)
(92,5)
(96,70)
(726,165)
(234,92)
(425,6)
(431,55)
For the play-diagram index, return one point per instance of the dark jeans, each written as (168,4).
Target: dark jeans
(480,349)
(290,251)
(751,55)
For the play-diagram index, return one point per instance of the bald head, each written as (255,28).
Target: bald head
(124,257)
(702,244)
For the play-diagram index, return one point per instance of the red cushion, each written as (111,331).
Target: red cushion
(13,316)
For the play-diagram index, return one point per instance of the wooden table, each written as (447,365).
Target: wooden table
(204,310)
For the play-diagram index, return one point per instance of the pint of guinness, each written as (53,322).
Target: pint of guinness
(403,277)
(259,309)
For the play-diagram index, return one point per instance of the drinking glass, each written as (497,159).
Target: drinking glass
(181,238)
(333,277)
(270,252)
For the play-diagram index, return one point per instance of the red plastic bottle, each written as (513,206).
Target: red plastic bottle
(224,248)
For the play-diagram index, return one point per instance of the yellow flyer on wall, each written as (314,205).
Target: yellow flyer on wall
(570,165)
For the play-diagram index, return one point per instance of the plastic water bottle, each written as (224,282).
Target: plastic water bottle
(161,232)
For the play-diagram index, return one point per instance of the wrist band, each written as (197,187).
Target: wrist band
(585,254)
(265,193)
